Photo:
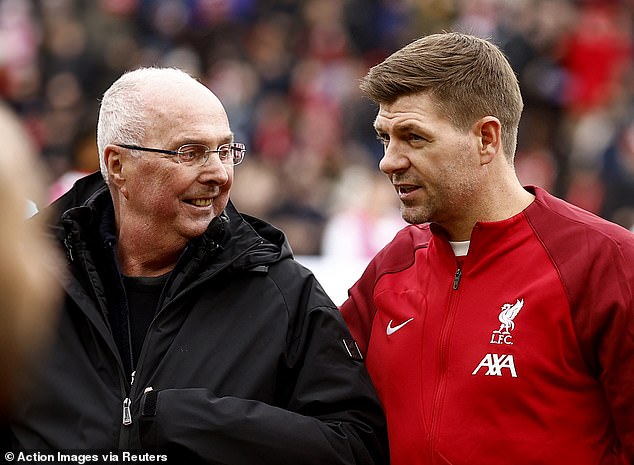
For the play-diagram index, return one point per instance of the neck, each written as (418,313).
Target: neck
(140,250)
(147,265)
(141,253)
(497,203)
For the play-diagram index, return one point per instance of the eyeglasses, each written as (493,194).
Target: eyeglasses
(198,154)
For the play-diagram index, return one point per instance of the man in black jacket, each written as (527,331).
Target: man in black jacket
(188,330)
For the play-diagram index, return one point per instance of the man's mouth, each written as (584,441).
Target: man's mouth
(200,202)
(404,189)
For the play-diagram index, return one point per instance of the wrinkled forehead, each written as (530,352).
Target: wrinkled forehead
(419,108)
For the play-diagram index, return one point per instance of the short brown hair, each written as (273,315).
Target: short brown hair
(467,76)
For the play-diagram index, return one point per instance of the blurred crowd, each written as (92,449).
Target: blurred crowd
(287,72)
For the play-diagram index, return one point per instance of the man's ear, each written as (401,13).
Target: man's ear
(489,131)
(113,157)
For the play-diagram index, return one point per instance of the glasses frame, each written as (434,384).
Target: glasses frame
(233,146)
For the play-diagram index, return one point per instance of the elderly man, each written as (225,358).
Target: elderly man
(188,330)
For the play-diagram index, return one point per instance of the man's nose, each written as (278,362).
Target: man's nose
(215,170)
(394,159)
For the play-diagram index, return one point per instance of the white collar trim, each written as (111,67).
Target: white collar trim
(460,248)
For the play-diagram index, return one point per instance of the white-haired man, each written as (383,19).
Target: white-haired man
(188,328)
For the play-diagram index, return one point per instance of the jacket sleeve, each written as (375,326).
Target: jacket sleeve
(594,262)
(359,309)
(327,412)
(604,322)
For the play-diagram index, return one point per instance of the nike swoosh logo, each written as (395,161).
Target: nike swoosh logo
(392,329)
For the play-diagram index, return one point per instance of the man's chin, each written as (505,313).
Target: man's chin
(196,228)
(413,215)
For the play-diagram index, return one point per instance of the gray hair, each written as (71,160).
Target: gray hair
(123,112)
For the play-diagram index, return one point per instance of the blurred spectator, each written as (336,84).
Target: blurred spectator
(85,160)
(28,294)
(618,177)
(365,216)
(597,61)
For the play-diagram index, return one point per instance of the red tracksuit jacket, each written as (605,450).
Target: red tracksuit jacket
(522,355)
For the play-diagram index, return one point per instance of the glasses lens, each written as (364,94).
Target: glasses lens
(225,153)
(231,154)
(191,154)
(237,153)
(197,154)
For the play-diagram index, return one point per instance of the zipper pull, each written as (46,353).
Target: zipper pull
(456,278)
(127,416)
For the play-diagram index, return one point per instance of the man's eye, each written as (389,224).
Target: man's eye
(224,152)
(187,155)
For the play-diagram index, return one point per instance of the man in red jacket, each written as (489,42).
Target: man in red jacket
(498,327)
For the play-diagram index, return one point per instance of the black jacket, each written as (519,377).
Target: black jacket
(248,359)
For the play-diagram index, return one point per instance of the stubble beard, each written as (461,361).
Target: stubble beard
(417,214)
(442,205)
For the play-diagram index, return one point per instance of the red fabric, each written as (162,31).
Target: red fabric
(459,386)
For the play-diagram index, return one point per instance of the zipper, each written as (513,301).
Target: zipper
(127,416)
(442,363)
(456,279)
(69,248)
